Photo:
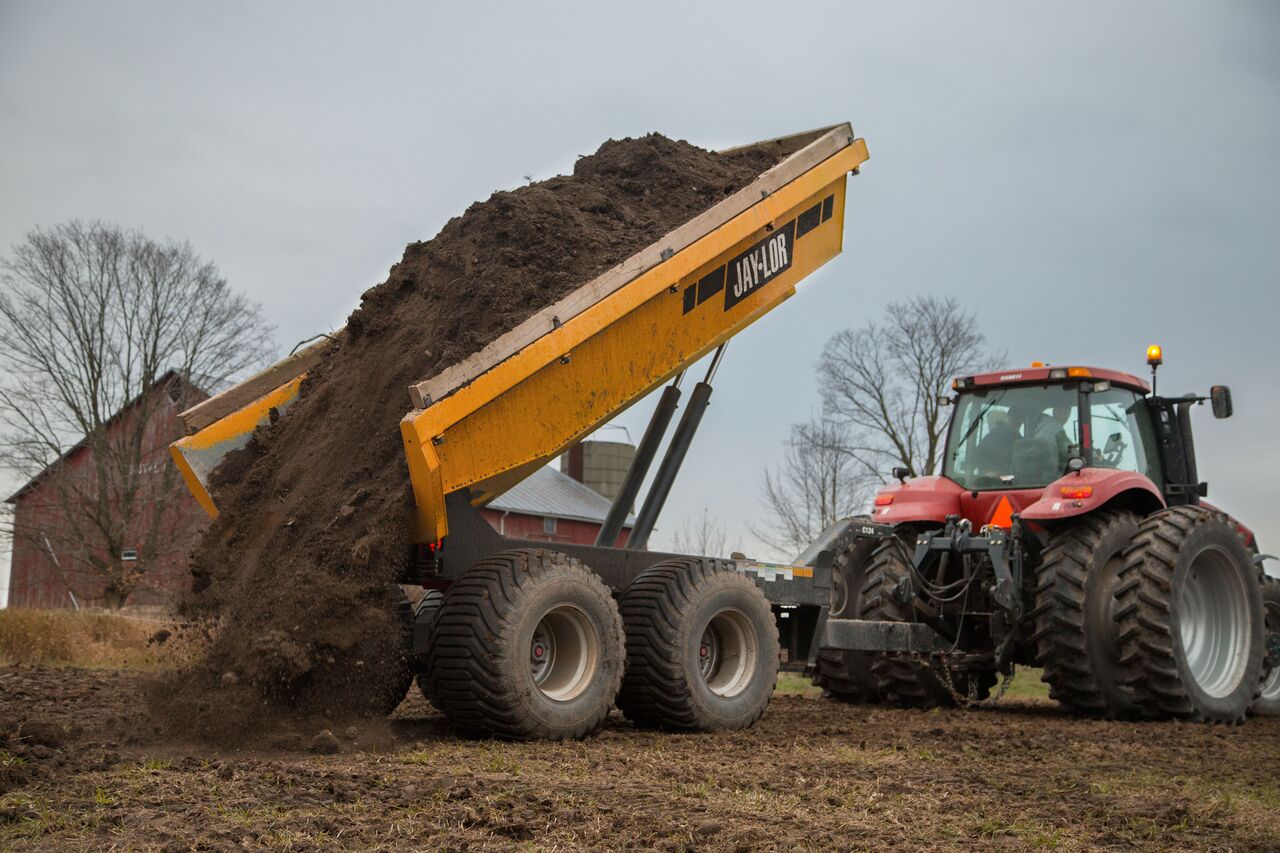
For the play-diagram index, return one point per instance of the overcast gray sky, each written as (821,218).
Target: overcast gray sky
(1092,177)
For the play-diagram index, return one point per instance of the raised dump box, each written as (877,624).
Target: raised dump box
(486,423)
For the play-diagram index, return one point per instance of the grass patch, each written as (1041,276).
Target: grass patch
(1026,684)
(1035,834)
(498,760)
(424,757)
(86,640)
(796,684)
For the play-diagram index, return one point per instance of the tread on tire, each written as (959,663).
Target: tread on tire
(1268,702)
(1158,570)
(672,612)
(844,675)
(424,617)
(480,674)
(905,680)
(1075,633)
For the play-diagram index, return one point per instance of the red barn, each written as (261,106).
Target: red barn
(50,569)
(568,505)
(53,549)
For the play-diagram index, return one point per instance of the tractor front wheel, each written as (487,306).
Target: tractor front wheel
(846,675)
(1190,616)
(905,679)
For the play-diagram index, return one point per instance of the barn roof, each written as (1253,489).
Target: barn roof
(549,492)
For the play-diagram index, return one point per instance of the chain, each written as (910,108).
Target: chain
(970,699)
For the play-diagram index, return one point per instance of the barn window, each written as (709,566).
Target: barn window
(549,526)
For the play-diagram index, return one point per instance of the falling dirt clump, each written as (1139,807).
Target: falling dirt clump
(315,511)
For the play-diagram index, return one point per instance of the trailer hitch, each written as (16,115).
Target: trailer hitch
(1000,545)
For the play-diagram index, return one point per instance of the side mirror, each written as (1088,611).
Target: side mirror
(901,473)
(1220,397)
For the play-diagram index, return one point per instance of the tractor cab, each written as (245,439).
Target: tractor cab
(1050,442)
(1023,433)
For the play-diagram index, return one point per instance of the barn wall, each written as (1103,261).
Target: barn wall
(43,571)
(521,526)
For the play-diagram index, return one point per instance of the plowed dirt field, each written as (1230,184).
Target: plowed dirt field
(82,769)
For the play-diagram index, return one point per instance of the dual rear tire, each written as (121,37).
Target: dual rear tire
(530,644)
(1157,617)
(1075,630)
(702,648)
(1190,618)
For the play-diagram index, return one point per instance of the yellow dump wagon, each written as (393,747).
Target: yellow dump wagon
(513,639)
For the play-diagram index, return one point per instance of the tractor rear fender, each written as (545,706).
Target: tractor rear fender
(1092,489)
(924,499)
(1250,540)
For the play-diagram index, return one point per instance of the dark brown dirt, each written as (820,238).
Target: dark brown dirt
(811,775)
(315,512)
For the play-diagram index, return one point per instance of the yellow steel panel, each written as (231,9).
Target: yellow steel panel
(197,454)
(640,350)
(431,522)
(521,413)
(189,476)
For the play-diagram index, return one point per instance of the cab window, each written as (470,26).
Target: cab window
(1122,435)
(1013,437)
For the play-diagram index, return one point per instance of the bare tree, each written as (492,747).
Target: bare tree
(6,551)
(880,386)
(817,483)
(882,382)
(701,535)
(95,322)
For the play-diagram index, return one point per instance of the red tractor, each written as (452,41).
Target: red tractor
(1067,530)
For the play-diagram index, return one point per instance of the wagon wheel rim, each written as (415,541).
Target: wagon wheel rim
(727,653)
(564,653)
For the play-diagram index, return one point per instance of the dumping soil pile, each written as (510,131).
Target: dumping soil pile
(315,511)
